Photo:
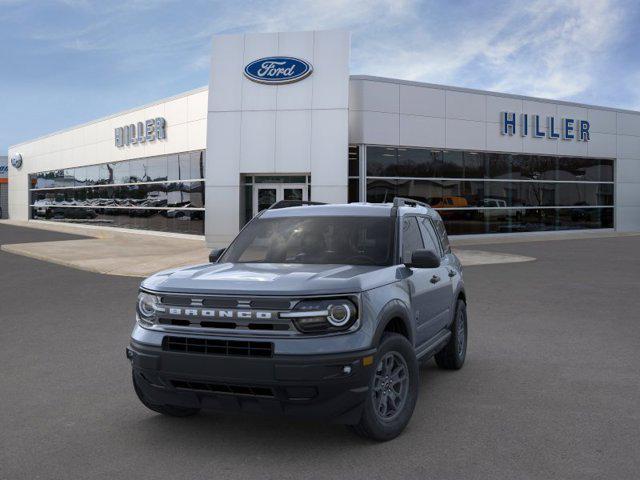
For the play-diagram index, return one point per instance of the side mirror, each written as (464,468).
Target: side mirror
(424,259)
(215,255)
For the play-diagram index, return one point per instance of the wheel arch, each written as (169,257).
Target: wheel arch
(395,317)
(461,295)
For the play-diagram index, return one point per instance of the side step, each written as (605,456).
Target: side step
(431,348)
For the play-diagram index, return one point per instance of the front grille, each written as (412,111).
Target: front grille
(207,346)
(259,315)
(224,388)
(265,303)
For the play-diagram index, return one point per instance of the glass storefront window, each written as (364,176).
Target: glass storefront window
(197,165)
(413,162)
(95,194)
(157,169)
(477,192)
(121,172)
(184,166)
(138,171)
(381,161)
(354,161)
(452,164)
(354,190)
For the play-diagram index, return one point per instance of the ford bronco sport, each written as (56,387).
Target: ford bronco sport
(317,311)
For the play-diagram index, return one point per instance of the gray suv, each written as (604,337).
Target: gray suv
(319,311)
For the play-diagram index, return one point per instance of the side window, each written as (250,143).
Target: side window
(430,239)
(442,233)
(411,238)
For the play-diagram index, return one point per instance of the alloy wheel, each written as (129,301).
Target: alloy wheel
(390,386)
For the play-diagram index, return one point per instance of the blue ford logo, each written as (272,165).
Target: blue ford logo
(277,70)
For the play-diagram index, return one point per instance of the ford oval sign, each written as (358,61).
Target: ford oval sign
(16,160)
(278,70)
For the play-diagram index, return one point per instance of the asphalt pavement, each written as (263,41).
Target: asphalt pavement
(551,388)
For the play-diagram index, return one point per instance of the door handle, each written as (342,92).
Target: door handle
(435,279)
(452,273)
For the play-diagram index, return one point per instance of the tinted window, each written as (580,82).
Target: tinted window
(67,193)
(197,165)
(382,161)
(453,164)
(418,162)
(442,233)
(138,171)
(381,191)
(354,161)
(157,169)
(315,240)
(411,238)
(121,172)
(184,166)
(354,190)
(429,237)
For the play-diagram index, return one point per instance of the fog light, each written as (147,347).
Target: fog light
(346,369)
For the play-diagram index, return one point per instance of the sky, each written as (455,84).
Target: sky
(66,62)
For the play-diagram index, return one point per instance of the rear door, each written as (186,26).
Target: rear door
(442,287)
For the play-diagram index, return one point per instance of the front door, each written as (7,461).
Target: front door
(266,194)
(430,288)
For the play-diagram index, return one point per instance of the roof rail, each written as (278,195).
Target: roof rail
(408,202)
(293,203)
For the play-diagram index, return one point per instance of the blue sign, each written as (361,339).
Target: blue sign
(278,70)
(570,128)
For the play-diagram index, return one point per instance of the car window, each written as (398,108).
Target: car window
(442,234)
(411,238)
(429,236)
(315,240)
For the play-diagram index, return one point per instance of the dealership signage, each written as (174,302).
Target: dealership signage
(147,131)
(550,127)
(278,70)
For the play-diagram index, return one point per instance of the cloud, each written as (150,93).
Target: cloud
(556,48)
(141,50)
(541,48)
(546,49)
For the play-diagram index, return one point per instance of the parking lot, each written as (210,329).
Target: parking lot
(551,388)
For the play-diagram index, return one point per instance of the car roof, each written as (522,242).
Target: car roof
(349,210)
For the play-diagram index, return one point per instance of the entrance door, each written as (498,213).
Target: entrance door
(266,194)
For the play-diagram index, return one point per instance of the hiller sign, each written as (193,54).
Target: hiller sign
(532,125)
(147,131)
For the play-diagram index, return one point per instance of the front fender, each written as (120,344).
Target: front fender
(395,309)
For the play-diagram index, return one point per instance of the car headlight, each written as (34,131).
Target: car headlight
(146,308)
(323,315)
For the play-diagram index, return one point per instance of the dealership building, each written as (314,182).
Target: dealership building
(282,119)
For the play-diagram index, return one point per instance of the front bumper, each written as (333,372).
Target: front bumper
(331,387)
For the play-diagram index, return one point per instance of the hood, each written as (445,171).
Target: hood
(271,279)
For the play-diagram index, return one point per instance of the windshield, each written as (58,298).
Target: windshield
(317,240)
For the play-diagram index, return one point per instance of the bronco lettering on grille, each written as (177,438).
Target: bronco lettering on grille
(216,313)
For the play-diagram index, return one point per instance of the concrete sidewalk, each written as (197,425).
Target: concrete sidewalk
(112,251)
(136,253)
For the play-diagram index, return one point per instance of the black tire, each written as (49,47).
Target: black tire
(388,425)
(169,410)
(452,356)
